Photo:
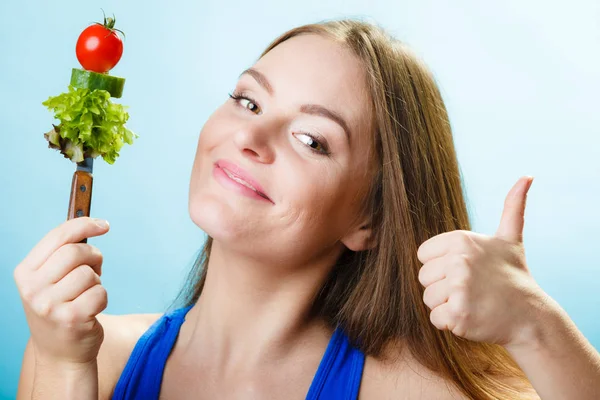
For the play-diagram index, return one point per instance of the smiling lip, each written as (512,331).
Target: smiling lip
(244,176)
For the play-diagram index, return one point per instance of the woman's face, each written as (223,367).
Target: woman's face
(312,169)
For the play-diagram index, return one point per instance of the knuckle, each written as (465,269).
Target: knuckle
(77,252)
(420,252)
(102,293)
(461,271)
(432,318)
(94,250)
(27,292)
(102,297)
(454,309)
(86,273)
(464,259)
(67,252)
(26,287)
(42,306)
(96,254)
(421,275)
(81,250)
(18,275)
(427,295)
(457,284)
(464,239)
(69,318)
(90,254)
(98,301)
(459,308)
(464,269)
(63,235)
(435,319)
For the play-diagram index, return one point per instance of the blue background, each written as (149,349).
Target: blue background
(521,82)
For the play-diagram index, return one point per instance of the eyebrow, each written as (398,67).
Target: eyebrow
(312,109)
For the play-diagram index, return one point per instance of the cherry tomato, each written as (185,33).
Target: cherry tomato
(99,48)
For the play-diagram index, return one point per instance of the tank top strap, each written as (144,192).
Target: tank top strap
(340,371)
(338,376)
(142,376)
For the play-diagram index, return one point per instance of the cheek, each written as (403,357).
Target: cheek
(312,198)
(215,128)
(208,135)
(207,140)
(198,165)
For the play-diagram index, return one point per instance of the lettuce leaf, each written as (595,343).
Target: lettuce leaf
(90,125)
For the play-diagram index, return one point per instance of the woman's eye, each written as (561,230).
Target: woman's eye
(312,142)
(241,96)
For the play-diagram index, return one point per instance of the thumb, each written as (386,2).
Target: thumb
(513,215)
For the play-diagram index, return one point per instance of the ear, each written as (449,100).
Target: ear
(360,237)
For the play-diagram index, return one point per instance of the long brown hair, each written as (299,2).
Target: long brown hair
(375,295)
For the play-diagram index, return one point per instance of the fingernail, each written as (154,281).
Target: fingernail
(102,223)
(531,178)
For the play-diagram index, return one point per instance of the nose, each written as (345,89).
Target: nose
(256,140)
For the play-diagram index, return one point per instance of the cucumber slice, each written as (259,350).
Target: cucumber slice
(83,79)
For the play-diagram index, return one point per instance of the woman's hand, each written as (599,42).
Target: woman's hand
(59,285)
(479,287)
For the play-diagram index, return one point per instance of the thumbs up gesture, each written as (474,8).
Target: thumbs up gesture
(479,287)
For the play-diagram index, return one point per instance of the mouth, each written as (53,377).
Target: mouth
(241,177)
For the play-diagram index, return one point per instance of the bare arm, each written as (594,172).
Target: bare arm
(41,380)
(558,360)
(65,382)
(27,372)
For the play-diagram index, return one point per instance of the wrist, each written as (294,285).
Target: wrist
(66,366)
(543,314)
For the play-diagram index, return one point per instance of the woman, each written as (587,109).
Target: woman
(339,262)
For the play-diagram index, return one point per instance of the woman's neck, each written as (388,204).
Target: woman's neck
(250,313)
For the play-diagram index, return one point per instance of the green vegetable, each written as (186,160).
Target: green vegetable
(90,125)
(83,79)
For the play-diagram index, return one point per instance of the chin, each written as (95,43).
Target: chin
(216,218)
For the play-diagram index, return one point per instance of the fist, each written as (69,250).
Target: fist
(59,284)
(479,287)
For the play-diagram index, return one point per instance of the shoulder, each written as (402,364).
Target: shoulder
(121,333)
(403,377)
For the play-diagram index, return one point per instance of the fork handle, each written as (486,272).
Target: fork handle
(80,201)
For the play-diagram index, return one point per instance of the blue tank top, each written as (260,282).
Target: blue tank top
(338,376)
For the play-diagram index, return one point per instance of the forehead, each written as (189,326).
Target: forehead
(315,70)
